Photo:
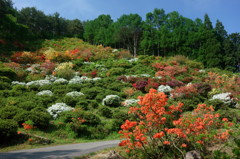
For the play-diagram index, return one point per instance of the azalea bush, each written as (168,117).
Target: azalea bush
(160,131)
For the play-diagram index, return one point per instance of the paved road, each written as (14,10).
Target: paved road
(61,152)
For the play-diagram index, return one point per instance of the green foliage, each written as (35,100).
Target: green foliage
(7,72)
(40,118)
(105,111)
(9,112)
(8,129)
(65,73)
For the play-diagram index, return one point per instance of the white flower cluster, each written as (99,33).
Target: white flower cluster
(51,78)
(133,60)
(39,83)
(57,108)
(79,80)
(115,51)
(224,97)
(145,75)
(18,83)
(35,68)
(165,89)
(88,63)
(202,71)
(74,94)
(130,102)
(60,81)
(111,100)
(96,78)
(45,93)
(158,77)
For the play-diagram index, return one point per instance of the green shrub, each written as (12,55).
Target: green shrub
(72,101)
(9,73)
(65,73)
(116,71)
(4,85)
(75,87)
(180,59)
(230,114)
(27,105)
(41,119)
(5,79)
(8,128)
(20,88)
(194,64)
(91,93)
(9,112)
(105,111)
(217,104)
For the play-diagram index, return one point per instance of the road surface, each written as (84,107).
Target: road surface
(59,152)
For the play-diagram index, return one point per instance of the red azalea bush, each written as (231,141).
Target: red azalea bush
(174,83)
(184,91)
(140,85)
(27,57)
(159,130)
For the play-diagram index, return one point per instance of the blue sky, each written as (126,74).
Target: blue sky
(227,11)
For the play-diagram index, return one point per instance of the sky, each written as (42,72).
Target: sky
(227,11)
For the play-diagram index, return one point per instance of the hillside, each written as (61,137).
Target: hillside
(71,91)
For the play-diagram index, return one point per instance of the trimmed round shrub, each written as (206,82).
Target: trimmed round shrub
(9,73)
(40,118)
(27,105)
(91,93)
(72,101)
(8,128)
(116,71)
(112,100)
(4,85)
(105,111)
(8,112)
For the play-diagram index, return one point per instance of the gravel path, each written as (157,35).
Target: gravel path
(61,152)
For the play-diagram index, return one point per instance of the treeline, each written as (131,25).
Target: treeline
(161,34)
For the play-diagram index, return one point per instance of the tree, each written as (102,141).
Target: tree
(207,22)
(75,28)
(129,30)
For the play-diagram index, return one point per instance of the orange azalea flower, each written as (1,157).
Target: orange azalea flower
(184,145)
(200,142)
(166,142)
(159,135)
(224,119)
(19,132)
(30,139)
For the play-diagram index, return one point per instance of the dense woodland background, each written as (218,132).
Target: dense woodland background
(161,34)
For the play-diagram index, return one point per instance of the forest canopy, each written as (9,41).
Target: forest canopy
(160,34)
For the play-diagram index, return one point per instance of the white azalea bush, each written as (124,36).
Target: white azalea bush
(61,81)
(39,83)
(129,102)
(51,78)
(75,80)
(45,93)
(74,94)
(165,89)
(57,108)
(111,100)
(133,60)
(80,80)
(18,83)
(224,97)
